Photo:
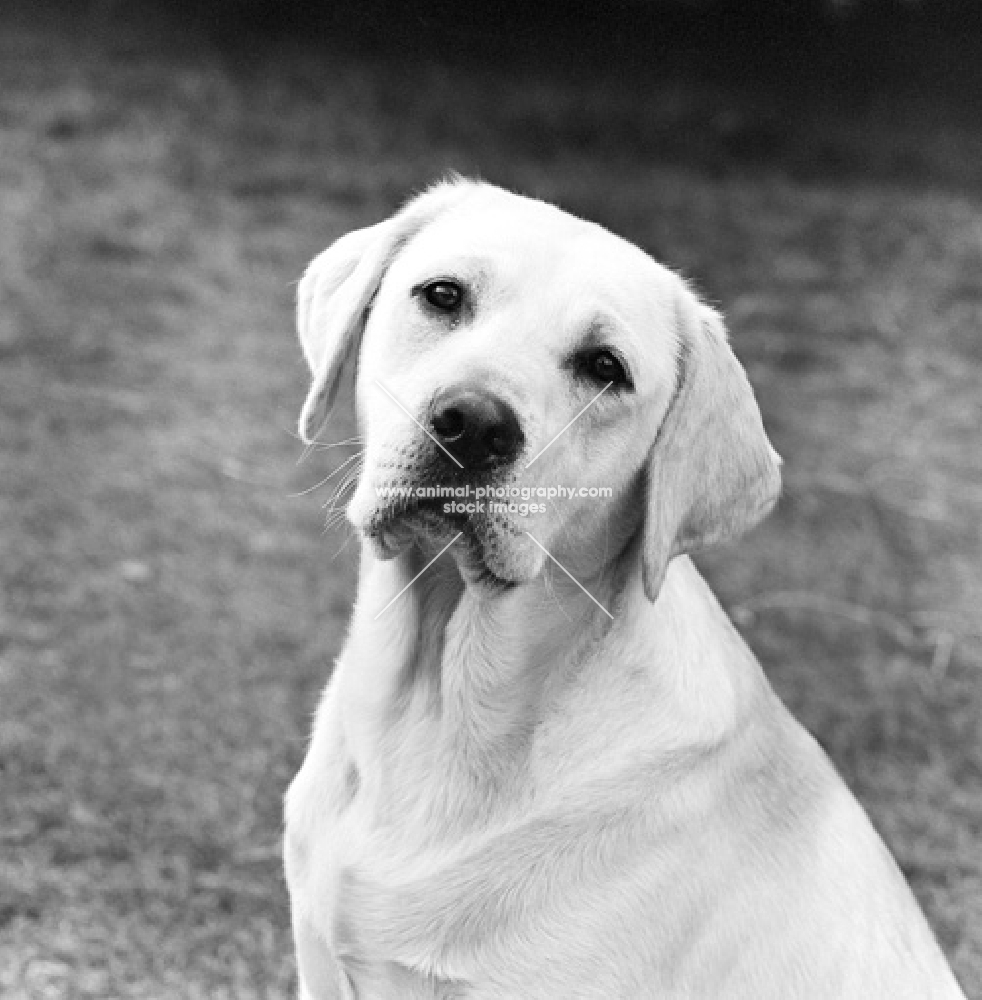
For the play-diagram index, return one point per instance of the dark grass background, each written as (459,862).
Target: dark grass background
(170,609)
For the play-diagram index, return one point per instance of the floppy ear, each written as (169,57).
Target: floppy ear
(337,289)
(712,473)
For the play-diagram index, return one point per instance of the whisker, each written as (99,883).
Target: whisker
(347,542)
(345,484)
(333,519)
(352,476)
(328,478)
(312,446)
(327,445)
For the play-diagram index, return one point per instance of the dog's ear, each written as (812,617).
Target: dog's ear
(337,289)
(712,473)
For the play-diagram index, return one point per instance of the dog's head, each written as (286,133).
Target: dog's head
(507,352)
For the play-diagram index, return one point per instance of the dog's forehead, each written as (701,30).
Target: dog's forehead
(521,239)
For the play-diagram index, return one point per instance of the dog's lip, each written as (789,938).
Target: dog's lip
(407,510)
(395,529)
(395,526)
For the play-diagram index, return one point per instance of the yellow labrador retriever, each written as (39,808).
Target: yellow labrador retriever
(546,766)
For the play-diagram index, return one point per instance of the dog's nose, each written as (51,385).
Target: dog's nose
(480,430)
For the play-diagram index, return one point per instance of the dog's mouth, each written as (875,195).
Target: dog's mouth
(397,525)
(427,522)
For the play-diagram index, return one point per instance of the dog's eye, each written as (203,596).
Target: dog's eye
(604,368)
(445,296)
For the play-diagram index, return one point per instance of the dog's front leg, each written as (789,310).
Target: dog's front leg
(372,667)
(344,760)
(320,975)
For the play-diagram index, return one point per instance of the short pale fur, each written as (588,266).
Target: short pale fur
(509,795)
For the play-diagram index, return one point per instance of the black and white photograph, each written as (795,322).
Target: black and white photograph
(491,500)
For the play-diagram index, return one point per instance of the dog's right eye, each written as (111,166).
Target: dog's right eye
(444,296)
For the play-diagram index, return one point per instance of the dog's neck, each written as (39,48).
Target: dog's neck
(476,672)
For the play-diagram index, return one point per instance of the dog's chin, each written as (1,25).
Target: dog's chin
(480,560)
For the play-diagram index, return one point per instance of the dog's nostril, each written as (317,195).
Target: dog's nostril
(449,424)
(503,443)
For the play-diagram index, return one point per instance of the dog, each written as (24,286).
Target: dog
(546,766)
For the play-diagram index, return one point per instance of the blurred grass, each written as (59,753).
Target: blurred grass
(170,610)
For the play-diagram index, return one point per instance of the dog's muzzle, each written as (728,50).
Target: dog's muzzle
(474,440)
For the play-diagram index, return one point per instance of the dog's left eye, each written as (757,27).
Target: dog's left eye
(446,296)
(603,367)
